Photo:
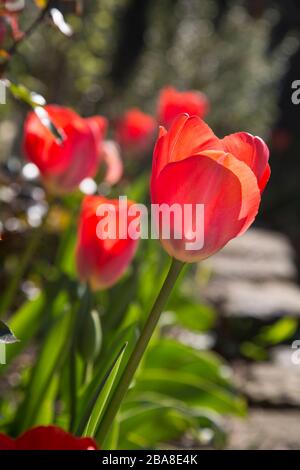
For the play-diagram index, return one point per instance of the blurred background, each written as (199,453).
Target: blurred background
(238,312)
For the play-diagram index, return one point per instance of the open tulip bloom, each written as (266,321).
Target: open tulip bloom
(191,166)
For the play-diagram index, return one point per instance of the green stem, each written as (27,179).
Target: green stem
(73,386)
(84,307)
(10,292)
(140,348)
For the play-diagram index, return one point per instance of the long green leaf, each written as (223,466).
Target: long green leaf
(112,438)
(154,418)
(49,361)
(194,390)
(92,416)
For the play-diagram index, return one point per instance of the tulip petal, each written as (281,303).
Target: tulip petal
(98,125)
(113,161)
(6,442)
(61,116)
(253,151)
(160,153)
(187,136)
(249,186)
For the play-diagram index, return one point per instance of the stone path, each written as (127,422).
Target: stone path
(265,429)
(253,282)
(254,276)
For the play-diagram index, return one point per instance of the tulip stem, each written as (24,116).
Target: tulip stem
(140,348)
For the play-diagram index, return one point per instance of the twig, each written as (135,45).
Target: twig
(14,48)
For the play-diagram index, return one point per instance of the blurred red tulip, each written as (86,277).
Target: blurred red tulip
(281,139)
(192,166)
(64,164)
(135,130)
(172,102)
(46,438)
(102,258)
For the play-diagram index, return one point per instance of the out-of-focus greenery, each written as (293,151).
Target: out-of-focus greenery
(182,47)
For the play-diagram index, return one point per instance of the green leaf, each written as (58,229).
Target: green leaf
(89,336)
(148,425)
(49,361)
(108,354)
(191,314)
(94,410)
(65,259)
(6,335)
(280,331)
(45,415)
(253,351)
(193,390)
(195,317)
(22,93)
(154,418)
(112,438)
(172,355)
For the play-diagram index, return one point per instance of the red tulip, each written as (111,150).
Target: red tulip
(135,130)
(171,103)
(64,164)
(192,166)
(102,253)
(46,438)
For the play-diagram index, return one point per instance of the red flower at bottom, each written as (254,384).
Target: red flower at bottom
(47,438)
